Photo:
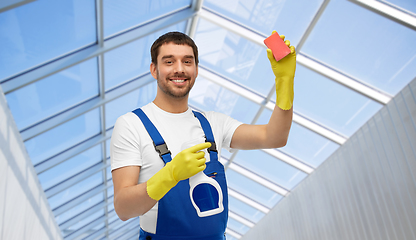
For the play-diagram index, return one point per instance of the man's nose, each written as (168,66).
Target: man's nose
(179,67)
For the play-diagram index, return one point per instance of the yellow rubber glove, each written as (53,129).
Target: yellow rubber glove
(183,166)
(284,71)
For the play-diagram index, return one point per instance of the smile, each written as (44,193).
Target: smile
(178,80)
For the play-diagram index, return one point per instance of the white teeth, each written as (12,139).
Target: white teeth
(179,81)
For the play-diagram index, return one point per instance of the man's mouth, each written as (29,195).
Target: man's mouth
(178,79)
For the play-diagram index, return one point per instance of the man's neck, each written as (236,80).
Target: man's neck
(172,105)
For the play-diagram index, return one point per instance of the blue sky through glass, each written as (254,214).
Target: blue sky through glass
(75,190)
(367,46)
(70,167)
(234,57)
(244,210)
(331,104)
(266,16)
(209,96)
(237,226)
(63,137)
(133,59)
(128,103)
(54,94)
(252,189)
(270,168)
(119,17)
(42,30)
(408,5)
(303,144)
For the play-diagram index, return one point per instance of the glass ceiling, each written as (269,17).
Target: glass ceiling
(69,68)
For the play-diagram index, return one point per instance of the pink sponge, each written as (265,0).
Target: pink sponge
(277,45)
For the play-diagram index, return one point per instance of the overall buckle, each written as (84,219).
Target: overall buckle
(162,149)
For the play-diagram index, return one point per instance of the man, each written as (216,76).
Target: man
(151,179)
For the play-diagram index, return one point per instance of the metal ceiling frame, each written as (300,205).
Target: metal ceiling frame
(390,11)
(8,5)
(244,31)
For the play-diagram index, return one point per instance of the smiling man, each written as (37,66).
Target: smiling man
(151,167)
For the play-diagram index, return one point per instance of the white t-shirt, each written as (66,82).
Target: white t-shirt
(131,144)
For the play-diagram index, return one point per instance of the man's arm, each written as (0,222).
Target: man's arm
(272,135)
(130,199)
(276,132)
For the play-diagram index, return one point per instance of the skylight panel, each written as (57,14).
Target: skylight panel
(43,30)
(208,96)
(121,17)
(265,16)
(56,93)
(63,137)
(133,59)
(365,45)
(270,168)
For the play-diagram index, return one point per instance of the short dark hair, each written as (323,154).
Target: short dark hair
(175,37)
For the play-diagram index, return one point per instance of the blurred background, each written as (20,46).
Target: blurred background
(70,68)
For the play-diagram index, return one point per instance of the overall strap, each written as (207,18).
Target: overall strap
(158,141)
(209,137)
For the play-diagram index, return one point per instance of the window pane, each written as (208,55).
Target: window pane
(42,30)
(70,167)
(63,137)
(270,168)
(331,104)
(234,57)
(129,102)
(209,96)
(404,4)
(252,189)
(78,209)
(133,59)
(237,226)
(75,190)
(53,94)
(266,16)
(367,46)
(244,210)
(119,17)
(85,222)
(303,144)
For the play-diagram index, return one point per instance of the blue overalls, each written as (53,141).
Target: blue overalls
(177,218)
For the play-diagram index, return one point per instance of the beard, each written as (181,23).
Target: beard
(174,91)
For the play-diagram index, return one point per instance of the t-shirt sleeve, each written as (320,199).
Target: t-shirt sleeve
(224,126)
(125,145)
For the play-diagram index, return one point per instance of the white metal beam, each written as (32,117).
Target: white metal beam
(11,4)
(289,160)
(233,233)
(343,79)
(247,201)
(255,177)
(395,13)
(193,22)
(54,66)
(240,219)
(259,99)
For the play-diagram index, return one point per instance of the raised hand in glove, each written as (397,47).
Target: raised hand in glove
(183,166)
(284,71)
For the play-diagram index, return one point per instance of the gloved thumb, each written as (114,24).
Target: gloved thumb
(270,56)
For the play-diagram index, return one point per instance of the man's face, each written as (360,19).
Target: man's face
(176,69)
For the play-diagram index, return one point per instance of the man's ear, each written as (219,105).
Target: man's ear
(153,70)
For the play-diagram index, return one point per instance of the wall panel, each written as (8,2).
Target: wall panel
(365,190)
